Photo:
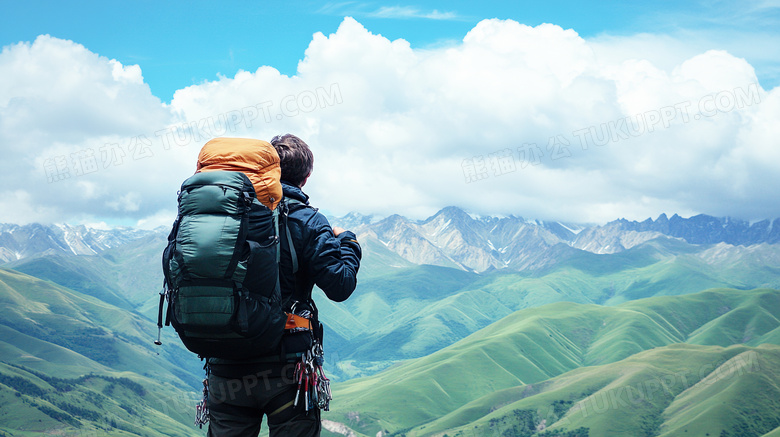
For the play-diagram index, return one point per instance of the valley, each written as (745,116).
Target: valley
(460,326)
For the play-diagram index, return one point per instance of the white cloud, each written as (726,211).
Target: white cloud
(668,50)
(129,202)
(19,206)
(67,93)
(392,126)
(411,12)
(352,8)
(161,219)
(67,120)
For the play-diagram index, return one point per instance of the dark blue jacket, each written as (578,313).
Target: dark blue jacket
(324,260)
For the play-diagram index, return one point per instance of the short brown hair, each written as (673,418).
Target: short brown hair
(295,158)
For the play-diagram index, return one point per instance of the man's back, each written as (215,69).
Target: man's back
(312,253)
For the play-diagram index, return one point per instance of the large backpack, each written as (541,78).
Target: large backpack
(221,269)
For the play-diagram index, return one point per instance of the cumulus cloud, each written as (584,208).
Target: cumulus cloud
(532,121)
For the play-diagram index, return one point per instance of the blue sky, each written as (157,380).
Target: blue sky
(523,108)
(180,43)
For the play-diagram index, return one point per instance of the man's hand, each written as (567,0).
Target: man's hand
(337,230)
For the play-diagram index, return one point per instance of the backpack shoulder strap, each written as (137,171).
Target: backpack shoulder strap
(289,205)
(293,255)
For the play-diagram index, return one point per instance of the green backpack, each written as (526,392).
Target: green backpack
(221,268)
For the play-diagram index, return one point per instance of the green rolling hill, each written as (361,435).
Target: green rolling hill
(529,349)
(675,390)
(64,321)
(90,275)
(109,403)
(412,312)
(71,361)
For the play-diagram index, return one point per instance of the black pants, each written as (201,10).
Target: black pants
(237,406)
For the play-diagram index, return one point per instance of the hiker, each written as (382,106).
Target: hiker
(312,253)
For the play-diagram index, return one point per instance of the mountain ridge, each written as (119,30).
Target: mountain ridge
(451,237)
(35,239)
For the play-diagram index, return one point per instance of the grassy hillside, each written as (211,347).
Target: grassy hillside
(45,324)
(676,390)
(137,267)
(111,404)
(534,346)
(61,350)
(412,312)
(90,275)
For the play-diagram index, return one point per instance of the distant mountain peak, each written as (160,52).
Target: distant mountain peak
(454,210)
(451,212)
(34,239)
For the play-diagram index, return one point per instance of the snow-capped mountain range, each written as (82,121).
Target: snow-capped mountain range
(451,237)
(18,242)
(454,238)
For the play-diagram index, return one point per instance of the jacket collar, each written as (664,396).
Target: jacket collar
(294,192)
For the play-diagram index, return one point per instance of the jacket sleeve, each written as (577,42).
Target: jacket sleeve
(333,261)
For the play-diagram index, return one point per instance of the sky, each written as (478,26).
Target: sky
(579,112)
